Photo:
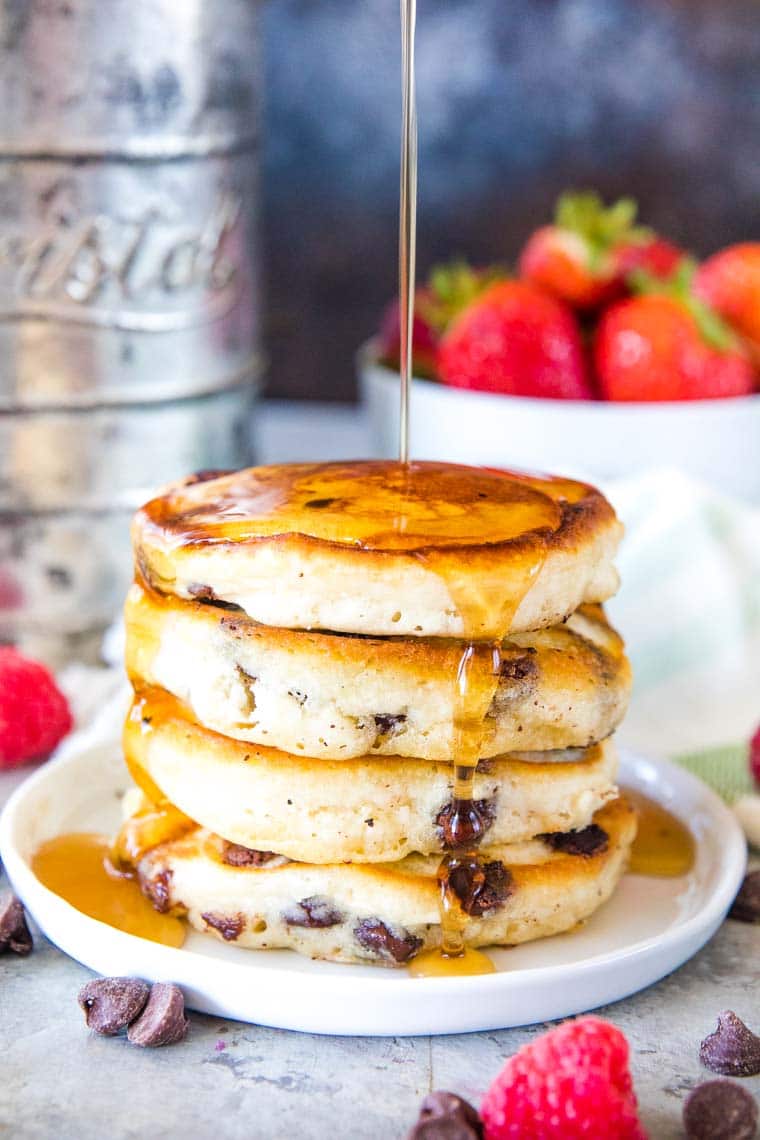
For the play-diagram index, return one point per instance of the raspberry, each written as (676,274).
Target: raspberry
(754,756)
(572,1083)
(34,714)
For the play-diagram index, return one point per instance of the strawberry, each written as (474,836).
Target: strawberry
(668,345)
(585,256)
(516,339)
(730,282)
(654,256)
(424,339)
(450,288)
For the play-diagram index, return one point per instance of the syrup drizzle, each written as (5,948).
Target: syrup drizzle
(407,243)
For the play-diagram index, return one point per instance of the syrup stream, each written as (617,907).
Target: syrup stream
(407,216)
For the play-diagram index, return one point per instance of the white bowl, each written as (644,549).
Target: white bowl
(717,441)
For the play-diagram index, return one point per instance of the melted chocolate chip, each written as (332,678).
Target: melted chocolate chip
(746,906)
(157,889)
(732,1050)
(464,822)
(163,1020)
(374,935)
(387,724)
(206,475)
(446,1116)
(201,593)
(720,1110)
(519,665)
(230,926)
(314,913)
(238,856)
(111,1004)
(480,894)
(15,936)
(319,504)
(591,840)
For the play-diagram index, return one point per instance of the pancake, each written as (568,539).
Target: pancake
(339,697)
(386,913)
(372,809)
(430,549)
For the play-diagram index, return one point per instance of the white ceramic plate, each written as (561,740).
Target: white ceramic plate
(647,929)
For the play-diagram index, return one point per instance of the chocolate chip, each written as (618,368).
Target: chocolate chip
(445,1116)
(163,1020)
(319,504)
(206,475)
(591,840)
(201,593)
(156,889)
(230,926)
(478,894)
(238,856)
(111,1004)
(517,664)
(387,724)
(374,935)
(746,907)
(732,1050)
(464,822)
(720,1110)
(15,935)
(315,913)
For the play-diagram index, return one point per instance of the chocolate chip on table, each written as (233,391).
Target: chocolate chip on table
(111,1004)
(732,1050)
(446,1116)
(374,935)
(163,1020)
(746,905)
(720,1110)
(238,856)
(314,913)
(591,840)
(15,936)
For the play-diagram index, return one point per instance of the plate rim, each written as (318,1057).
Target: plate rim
(693,931)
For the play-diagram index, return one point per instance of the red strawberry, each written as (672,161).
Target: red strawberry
(730,282)
(450,288)
(34,714)
(754,756)
(667,345)
(572,1083)
(424,339)
(518,340)
(585,256)
(654,256)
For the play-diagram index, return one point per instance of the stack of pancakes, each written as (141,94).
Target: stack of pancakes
(294,636)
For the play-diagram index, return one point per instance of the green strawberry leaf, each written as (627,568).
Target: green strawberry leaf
(451,288)
(601,227)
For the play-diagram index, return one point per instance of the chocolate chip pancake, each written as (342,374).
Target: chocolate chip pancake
(386,913)
(371,809)
(339,696)
(380,548)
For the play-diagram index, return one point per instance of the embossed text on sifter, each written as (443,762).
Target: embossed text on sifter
(128,293)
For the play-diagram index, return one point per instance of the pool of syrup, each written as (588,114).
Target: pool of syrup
(78,867)
(664,846)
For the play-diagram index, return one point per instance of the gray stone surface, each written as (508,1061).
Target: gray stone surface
(241,1082)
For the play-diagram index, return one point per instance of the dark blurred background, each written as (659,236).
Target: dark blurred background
(517,99)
